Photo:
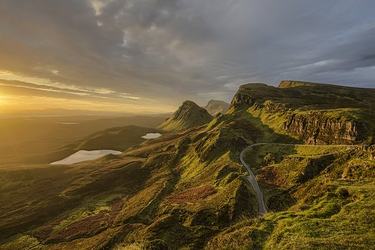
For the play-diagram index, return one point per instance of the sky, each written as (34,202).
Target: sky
(148,56)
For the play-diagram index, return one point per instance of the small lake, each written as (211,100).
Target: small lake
(85,155)
(151,136)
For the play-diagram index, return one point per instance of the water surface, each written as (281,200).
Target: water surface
(85,155)
(151,136)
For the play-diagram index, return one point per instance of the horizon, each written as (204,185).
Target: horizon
(64,112)
(132,57)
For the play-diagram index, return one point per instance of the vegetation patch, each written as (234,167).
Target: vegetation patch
(192,194)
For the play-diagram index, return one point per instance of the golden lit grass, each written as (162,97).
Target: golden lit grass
(333,210)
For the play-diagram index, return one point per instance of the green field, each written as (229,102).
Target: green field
(319,197)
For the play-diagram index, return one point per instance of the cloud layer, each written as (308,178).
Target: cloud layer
(168,50)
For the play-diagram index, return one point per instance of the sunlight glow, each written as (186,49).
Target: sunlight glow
(2,99)
(20,103)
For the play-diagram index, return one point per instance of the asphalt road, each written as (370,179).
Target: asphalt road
(262,209)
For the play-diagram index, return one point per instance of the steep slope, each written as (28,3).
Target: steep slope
(311,112)
(176,191)
(188,115)
(214,107)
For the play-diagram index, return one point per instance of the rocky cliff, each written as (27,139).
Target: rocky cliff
(315,128)
(314,113)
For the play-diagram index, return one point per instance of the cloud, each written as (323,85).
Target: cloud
(98,5)
(31,87)
(45,84)
(170,50)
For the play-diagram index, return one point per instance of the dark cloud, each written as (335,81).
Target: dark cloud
(169,50)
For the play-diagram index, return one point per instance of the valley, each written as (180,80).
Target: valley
(41,140)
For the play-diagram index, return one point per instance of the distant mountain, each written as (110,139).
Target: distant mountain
(188,115)
(216,106)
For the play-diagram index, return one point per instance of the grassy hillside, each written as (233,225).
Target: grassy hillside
(319,198)
(177,191)
(186,189)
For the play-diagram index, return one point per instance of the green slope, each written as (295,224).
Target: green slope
(186,189)
(320,198)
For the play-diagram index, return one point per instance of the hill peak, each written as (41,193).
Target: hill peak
(189,104)
(188,115)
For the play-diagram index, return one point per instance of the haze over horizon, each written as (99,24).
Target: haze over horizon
(147,56)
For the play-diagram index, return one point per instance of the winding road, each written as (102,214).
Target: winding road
(253,181)
(262,209)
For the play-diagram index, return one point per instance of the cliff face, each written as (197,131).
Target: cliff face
(242,99)
(314,113)
(317,129)
(249,94)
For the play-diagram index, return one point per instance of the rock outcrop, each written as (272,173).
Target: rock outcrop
(315,128)
(312,112)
